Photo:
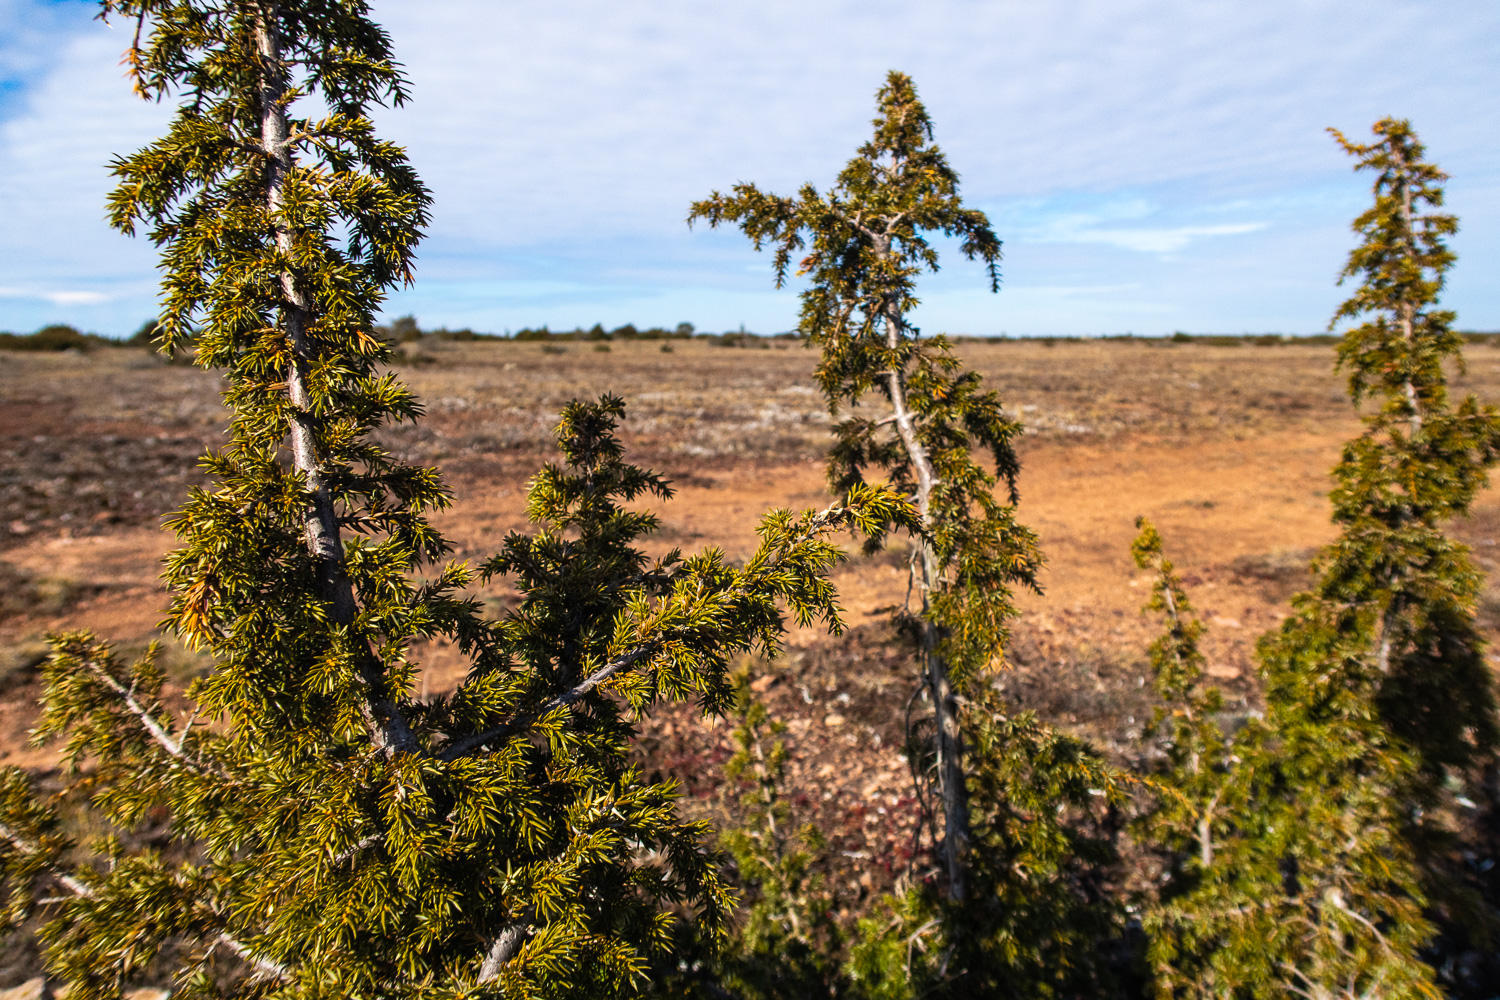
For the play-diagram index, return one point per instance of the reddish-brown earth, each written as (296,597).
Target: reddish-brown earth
(1227,449)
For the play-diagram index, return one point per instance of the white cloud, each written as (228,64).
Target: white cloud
(1168,240)
(1129,223)
(57,298)
(56,140)
(565,139)
(1068,291)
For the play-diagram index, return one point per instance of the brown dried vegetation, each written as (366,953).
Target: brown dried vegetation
(1227,448)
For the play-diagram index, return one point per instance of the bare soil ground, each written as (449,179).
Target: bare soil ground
(1227,448)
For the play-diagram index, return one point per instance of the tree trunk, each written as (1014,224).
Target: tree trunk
(1409,309)
(1406,316)
(951,780)
(321,527)
(320,523)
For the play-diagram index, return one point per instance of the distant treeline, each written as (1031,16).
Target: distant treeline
(1207,339)
(61,337)
(406,329)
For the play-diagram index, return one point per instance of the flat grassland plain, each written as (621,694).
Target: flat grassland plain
(1226,448)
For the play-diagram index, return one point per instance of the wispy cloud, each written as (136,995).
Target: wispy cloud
(1040,222)
(564,141)
(61,297)
(1159,240)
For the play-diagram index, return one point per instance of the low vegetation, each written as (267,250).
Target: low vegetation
(273,804)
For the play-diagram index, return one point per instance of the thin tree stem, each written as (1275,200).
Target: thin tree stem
(1205,832)
(1407,308)
(321,523)
(952,785)
(83,891)
(321,528)
(504,948)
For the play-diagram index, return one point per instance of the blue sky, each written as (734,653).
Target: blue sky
(1151,166)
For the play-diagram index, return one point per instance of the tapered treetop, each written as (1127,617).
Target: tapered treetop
(1401,263)
(866,242)
(1331,873)
(1422,459)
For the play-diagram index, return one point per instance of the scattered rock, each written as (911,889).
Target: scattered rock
(17,663)
(763,683)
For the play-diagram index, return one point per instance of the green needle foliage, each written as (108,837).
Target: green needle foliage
(866,243)
(1379,708)
(786,943)
(515,851)
(1022,846)
(1193,778)
(310,828)
(1040,921)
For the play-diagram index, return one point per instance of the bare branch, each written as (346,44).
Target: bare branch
(262,965)
(463,746)
(354,849)
(84,891)
(127,695)
(604,673)
(506,944)
(25,846)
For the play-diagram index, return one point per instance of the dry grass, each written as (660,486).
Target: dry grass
(1226,448)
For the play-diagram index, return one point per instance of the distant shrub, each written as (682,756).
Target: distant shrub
(143,336)
(402,330)
(736,338)
(682,331)
(405,330)
(57,337)
(462,336)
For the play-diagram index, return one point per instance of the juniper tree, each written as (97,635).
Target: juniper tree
(1379,707)
(1194,788)
(1040,920)
(328,833)
(863,245)
(785,941)
(1193,778)
(1420,462)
